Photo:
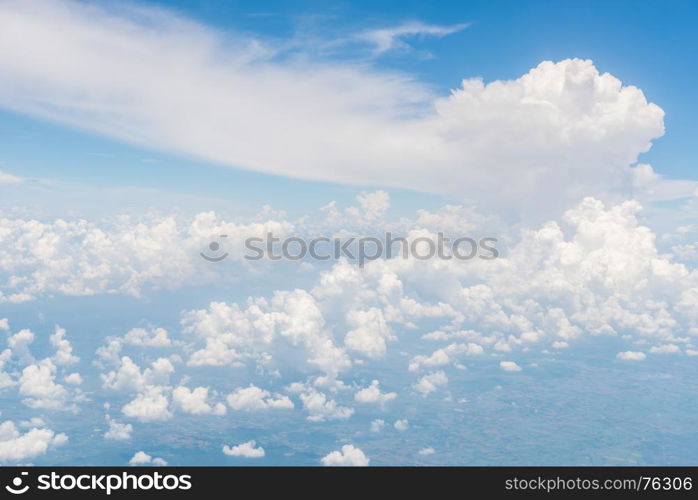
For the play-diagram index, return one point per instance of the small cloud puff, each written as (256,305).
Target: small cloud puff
(509,366)
(246,450)
(348,456)
(631,356)
(142,458)
(401,425)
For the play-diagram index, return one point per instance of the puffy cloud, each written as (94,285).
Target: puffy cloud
(110,352)
(321,408)
(631,356)
(565,125)
(372,206)
(246,450)
(401,425)
(426,451)
(33,422)
(20,342)
(155,337)
(598,271)
(349,455)
(73,379)
(369,333)
(129,376)
(373,394)
(377,425)
(15,446)
(149,406)
(509,366)
(142,458)
(195,401)
(39,387)
(253,398)
(124,255)
(665,349)
(232,334)
(445,356)
(64,351)
(117,431)
(431,382)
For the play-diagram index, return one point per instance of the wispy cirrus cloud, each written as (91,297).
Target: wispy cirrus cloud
(9,178)
(394,37)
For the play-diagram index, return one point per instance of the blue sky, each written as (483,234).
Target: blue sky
(132,135)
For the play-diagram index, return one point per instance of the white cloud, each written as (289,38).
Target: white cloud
(665,349)
(129,376)
(246,450)
(426,451)
(431,382)
(15,446)
(369,332)
(401,425)
(509,366)
(232,334)
(64,351)
(149,406)
(348,456)
(195,401)
(386,39)
(598,271)
(445,356)
(377,425)
(321,408)
(117,431)
(155,337)
(124,255)
(564,124)
(33,422)
(6,178)
(253,398)
(373,394)
(20,342)
(39,387)
(631,356)
(73,379)
(142,458)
